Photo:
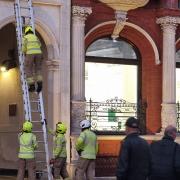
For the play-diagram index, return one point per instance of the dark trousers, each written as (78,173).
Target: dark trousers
(85,169)
(33,66)
(60,168)
(31,167)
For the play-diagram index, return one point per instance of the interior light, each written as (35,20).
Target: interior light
(3,69)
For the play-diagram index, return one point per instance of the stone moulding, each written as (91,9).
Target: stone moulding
(124,5)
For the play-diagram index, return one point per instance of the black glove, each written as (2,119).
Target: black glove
(79,152)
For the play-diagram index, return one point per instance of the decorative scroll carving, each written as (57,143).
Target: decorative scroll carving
(168,20)
(120,20)
(81,12)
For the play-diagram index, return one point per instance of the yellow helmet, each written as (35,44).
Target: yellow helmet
(28,28)
(61,128)
(27,126)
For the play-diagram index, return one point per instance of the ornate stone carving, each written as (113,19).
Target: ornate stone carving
(168,20)
(168,115)
(53,65)
(125,5)
(120,20)
(81,12)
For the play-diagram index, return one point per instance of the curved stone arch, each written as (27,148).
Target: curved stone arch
(44,31)
(139,29)
(177,44)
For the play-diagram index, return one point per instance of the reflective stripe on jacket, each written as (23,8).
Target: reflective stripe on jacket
(59,149)
(31,44)
(28,144)
(87,144)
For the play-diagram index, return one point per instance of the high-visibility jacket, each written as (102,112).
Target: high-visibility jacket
(59,149)
(87,144)
(28,144)
(31,44)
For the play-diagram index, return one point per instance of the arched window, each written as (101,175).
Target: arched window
(112,83)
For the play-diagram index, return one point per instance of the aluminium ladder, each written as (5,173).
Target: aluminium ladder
(24,16)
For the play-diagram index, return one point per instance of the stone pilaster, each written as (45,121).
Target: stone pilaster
(79,15)
(168,113)
(53,92)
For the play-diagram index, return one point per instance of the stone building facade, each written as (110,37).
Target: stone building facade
(66,29)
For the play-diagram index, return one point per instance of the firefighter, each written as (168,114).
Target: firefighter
(59,153)
(87,148)
(32,49)
(28,143)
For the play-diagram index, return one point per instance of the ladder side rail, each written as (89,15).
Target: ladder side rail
(43,121)
(21,61)
(30,4)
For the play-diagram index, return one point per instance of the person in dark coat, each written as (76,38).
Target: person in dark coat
(166,157)
(134,157)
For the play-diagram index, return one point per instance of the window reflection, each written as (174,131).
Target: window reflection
(107,48)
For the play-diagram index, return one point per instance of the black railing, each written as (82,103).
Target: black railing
(110,116)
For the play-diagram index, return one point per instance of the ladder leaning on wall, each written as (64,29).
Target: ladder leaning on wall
(24,16)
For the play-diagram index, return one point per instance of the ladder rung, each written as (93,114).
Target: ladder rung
(26,17)
(40,161)
(40,141)
(23,7)
(36,121)
(37,131)
(33,111)
(40,151)
(34,101)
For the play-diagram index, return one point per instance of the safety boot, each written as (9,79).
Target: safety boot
(31,87)
(39,86)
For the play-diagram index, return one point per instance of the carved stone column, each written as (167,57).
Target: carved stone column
(168,113)
(53,92)
(78,103)
(79,15)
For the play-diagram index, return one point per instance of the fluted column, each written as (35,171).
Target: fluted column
(79,15)
(168,112)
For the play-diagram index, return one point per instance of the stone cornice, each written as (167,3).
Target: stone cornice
(81,12)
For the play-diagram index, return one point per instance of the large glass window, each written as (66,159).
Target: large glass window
(111,84)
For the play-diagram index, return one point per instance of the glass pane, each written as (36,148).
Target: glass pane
(108,48)
(104,81)
(178,56)
(112,89)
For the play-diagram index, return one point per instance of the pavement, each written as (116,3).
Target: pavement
(97,178)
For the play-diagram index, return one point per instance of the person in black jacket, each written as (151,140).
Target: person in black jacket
(134,157)
(166,157)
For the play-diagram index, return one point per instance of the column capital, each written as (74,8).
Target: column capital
(81,12)
(53,65)
(168,21)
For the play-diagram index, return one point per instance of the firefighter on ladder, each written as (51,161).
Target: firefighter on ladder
(28,144)
(31,47)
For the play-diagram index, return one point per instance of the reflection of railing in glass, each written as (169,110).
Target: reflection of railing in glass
(111,115)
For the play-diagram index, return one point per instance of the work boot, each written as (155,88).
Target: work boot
(31,87)
(39,87)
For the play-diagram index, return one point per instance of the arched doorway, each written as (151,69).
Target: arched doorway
(11,104)
(112,83)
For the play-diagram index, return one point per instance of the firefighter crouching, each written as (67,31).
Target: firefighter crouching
(28,144)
